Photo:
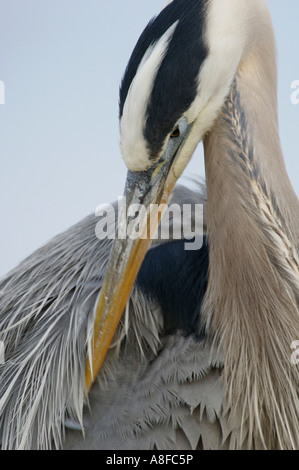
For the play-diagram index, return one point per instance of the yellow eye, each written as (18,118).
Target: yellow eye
(175,132)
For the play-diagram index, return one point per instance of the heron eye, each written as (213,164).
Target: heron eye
(175,132)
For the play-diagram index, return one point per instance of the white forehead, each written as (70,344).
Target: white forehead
(132,142)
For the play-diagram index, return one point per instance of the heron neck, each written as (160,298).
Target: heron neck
(244,161)
(250,201)
(252,298)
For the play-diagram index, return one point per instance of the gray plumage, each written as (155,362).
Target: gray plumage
(47,309)
(231,382)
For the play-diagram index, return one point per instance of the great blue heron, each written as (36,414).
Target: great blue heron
(200,356)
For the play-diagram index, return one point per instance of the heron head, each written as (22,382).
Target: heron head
(177,79)
(172,91)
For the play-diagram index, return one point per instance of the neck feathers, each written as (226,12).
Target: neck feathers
(252,298)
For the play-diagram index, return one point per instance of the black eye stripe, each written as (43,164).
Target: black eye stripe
(176,82)
(151,34)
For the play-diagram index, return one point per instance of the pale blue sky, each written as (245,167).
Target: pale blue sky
(62,62)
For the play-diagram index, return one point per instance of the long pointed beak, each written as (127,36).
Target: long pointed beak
(150,189)
(146,193)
